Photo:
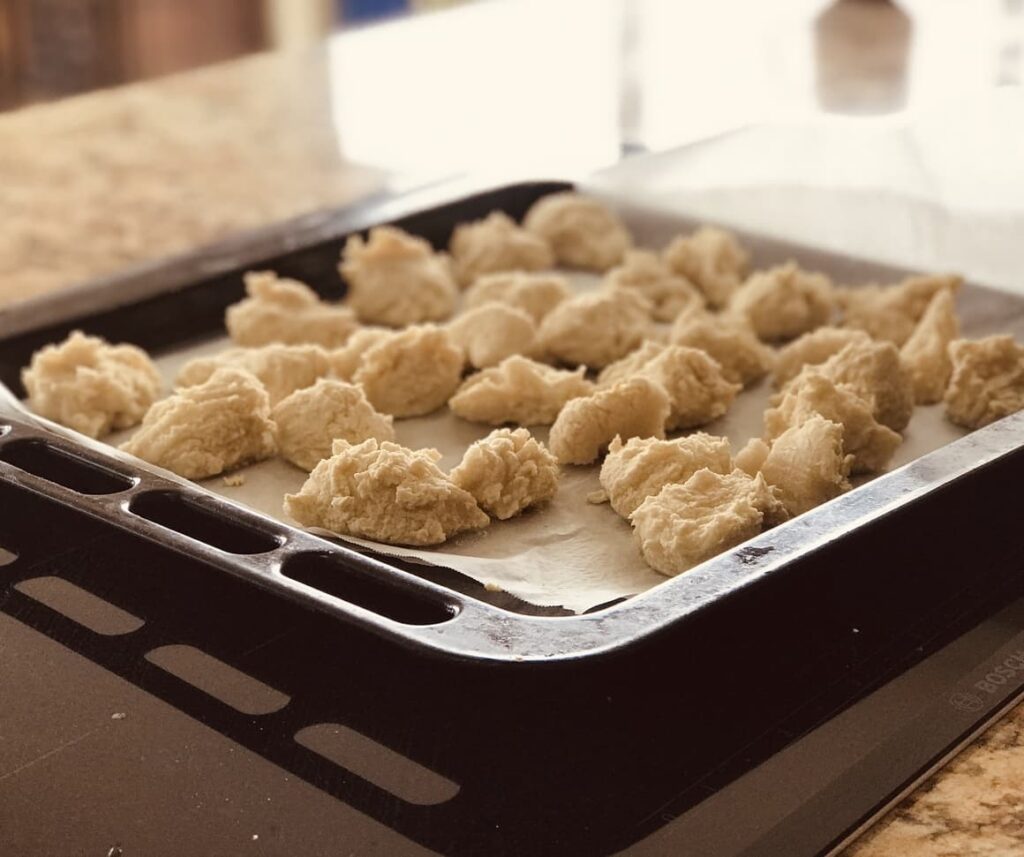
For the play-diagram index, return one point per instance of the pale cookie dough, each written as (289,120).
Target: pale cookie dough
(871,444)
(384,492)
(508,471)
(282,369)
(697,388)
(750,459)
(712,259)
(518,390)
(91,386)
(582,232)
(596,328)
(813,348)
(641,467)
(743,357)
(206,429)
(309,420)
(668,292)
(891,312)
(784,302)
(282,310)
(396,279)
(493,331)
(876,374)
(628,366)
(496,243)
(987,382)
(685,524)
(634,408)
(925,355)
(345,361)
(411,373)
(808,465)
(537,294)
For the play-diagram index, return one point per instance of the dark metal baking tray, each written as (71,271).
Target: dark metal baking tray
(801,622)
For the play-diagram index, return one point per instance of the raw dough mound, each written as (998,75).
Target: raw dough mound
(813,348)
(628,366)
(583,232)
(811,393)
(507,471)
(987,382)
(283,310)
(784,302)
(712,259)
(807,464)
(91,386)
(309,420)
(743,357)
(634,408)
(384,492)
(493,331)
(668,292)
(345,361)
(282,369)
(496,243)
(641,467)
(925,355)
(751,458)
(538,294)
(396,279)
(696,386)
(891,312)
(876,374)
(412,372)
(206,429)
(596,328)
(518,390)
(685,524)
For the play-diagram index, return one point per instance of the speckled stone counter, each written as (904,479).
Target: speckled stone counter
(95,183)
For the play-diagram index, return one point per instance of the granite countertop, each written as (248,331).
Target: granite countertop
(98,182)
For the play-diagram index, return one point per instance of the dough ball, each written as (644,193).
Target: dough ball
(784,302)
(282,369)
(641,467)
(496,243)
(493,331)
(596,328)
(876,374)
(537,294)
(507,471)
(925,355)
(668,292)
(813,348)
(750,459)
(282,310)
(412,372)
(687,523)
(743,357)
(396,279)
(696,386)
(890,313)
(807,464)
(203,430)
(582,232)
(345,361)
(987,381)
(712,259)
(628,366)
(384,492)
(871,444)
(309,420)
(518,390)
(91,386)
(584,428)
